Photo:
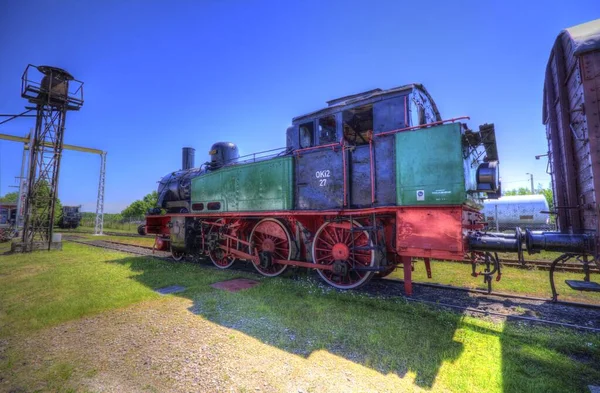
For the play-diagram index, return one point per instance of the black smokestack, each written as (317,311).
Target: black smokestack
(187,158)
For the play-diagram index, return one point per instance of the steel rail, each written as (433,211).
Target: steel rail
(507,316)
(89,243)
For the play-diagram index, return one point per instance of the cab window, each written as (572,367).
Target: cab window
(327,130)
(358,125)
(306,133)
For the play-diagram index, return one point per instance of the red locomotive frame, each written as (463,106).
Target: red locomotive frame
(401,233)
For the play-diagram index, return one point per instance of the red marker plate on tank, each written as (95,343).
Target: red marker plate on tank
(235,285)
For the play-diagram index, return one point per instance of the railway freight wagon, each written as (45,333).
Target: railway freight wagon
(70,217)
(571,114)
(362,186)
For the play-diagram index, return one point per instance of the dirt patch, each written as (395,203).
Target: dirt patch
(161,346)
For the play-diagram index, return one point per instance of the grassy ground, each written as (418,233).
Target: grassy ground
(519,281)
(388,344)
(45,288)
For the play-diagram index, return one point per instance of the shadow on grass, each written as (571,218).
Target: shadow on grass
(548,360)
(303,315)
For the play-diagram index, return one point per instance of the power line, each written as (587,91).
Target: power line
(514,181)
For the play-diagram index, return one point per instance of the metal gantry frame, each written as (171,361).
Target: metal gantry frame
(99,203)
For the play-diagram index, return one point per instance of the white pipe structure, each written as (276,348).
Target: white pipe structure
(99,227)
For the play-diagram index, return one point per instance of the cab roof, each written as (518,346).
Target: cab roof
(366,97)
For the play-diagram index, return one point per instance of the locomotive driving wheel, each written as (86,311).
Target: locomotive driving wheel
(388,270)
(177,255)
(219,257)
(272,240)
(348,248)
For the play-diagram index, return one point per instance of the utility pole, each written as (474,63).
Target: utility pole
(531,178)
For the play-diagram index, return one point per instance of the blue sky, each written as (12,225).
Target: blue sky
(163,75)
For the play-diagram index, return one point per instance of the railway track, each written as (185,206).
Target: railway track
(76,232)
(581,316)
(116,246)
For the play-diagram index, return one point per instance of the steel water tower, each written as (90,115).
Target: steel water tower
(53,92)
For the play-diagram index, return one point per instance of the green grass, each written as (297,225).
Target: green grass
(514,280)
(45,288)
(4,247)
(441,351)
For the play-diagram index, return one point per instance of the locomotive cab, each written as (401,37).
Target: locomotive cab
(388,147)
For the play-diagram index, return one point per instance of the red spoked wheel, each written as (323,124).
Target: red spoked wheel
(271,236)
(337,244)
(219,257)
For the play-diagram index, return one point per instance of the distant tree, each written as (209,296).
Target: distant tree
(140,207)
(546,192)
(520,191)
(42,202)
(549,195)
(10,197)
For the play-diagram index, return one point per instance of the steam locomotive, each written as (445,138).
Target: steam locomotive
(378,178)
(362,186)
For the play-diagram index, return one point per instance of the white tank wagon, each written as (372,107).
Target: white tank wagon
(524,211)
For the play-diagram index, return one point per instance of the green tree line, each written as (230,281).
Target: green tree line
(546,192)
(140,207)
(13,197)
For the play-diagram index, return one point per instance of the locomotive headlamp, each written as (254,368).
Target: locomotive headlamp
(487,176)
